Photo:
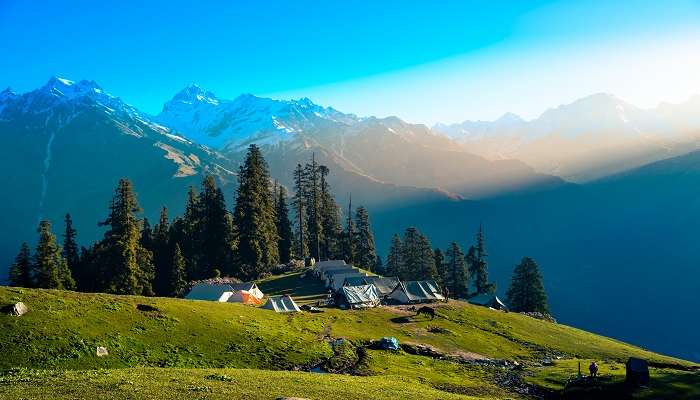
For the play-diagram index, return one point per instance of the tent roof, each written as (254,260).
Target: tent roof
(208,291)
(384,285)
(365,295)
(637,365)
(421,290)
(247,286)
(281,304)
(346,270)
(354,281)
(487,300)
(339,279)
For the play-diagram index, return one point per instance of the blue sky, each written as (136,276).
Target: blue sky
(423,61)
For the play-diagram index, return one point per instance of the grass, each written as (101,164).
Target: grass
(174,348)
(175,383)
(665,383)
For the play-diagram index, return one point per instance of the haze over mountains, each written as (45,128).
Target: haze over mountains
(590,138)
(611,249)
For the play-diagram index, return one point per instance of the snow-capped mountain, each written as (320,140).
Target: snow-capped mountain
(386,150)
(66,144)
(592,137)
(233,124)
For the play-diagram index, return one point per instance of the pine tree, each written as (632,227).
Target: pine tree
(70,245)
(366,255)
(214,239)
(162,253)
(457,275)
(313,203)
(254,217)
(348,239)
(299,202)
(480,267)
(440,266)
(394,264)
(177,282)
(130,264)
(51,269)
(21,271)
(379,266)
(526,292)
(417,256)
(146,234)
(331,247)
(284,227)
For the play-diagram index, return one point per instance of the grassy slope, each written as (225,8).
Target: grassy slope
(63,328)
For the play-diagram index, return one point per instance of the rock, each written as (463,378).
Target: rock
(102,351)
(17,309)
(291,398)
(547,361)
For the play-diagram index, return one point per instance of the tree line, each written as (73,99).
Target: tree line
(462,275)
(207,241)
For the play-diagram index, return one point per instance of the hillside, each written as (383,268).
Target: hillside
(181,348)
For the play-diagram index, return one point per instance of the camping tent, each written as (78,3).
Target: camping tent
(637,372)
(384,285)
(245,297)
(323,266)
(337,280)
(330,276)
(410,292)
(210,291)
(246,292)
(364,296)
(355,281)
(281,304)
(488,300)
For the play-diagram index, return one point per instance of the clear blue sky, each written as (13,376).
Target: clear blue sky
(424,61)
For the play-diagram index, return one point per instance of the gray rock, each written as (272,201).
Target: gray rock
(102,351)
(17,309)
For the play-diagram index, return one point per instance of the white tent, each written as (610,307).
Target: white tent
(337,280)
(210,291)
(321,266)
(281,304)
(330,276)
(417,292)
(364,296)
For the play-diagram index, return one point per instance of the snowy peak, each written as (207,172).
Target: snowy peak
(193,95)
(65,88)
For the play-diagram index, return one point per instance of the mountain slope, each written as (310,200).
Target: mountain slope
(386,150)
(593,137)
(62,330)
(67,144)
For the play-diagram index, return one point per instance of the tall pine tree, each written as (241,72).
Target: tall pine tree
(254,217)
(366,255)
(440,266)
(330,220)
(394,263)
(313,203)
(299,202)
(480,266)
(177,282)
(130,264)
(214,239)
(284,227)
(70,246)
(51,269)
(526,292)
(348,237)
(456,272)
(21,271)
(162,253)
(417,256)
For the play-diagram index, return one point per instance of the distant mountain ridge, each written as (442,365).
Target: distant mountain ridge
(386,150)
(595,136)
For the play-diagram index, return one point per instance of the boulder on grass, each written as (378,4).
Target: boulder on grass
(102,351)
(17,309)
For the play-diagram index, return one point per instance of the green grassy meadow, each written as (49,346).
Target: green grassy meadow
(199,349)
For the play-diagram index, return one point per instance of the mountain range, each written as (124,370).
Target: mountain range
(616,247)
(593,137)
